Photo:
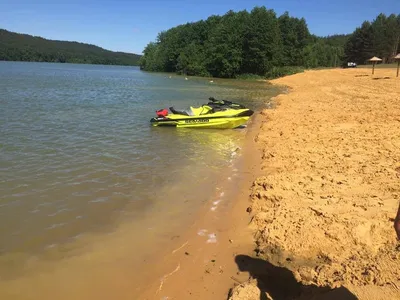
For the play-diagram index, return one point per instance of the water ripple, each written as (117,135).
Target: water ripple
(76,148)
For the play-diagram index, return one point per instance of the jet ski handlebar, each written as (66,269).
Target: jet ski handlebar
(225,102)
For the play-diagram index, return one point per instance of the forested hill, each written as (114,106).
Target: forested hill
(237,43)
(23,47)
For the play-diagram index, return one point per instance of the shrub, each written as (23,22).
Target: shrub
(248,76)
(277,72)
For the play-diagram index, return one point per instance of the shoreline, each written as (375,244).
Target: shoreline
(119,262)
(320,224)
(203,264)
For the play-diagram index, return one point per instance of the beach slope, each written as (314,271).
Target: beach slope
(322,211)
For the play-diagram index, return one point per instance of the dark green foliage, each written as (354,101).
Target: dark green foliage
(321,54)
(380,38)
(250,77)
(260,43)
(295,37)
(337,40)
(224,46)
(23,47)
(242,43)
(151,58)
(359,47)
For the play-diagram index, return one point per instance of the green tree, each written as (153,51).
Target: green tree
(224,47)
(263,45)
(295,37)
(360,45)
(259,42)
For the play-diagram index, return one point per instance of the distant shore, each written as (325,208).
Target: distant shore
(24,47)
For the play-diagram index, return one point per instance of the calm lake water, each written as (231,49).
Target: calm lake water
(78,156)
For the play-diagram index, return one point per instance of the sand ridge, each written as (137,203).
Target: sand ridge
(322,211)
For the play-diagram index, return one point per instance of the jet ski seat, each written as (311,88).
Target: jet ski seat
(179,112)
(202,110)
(193,111)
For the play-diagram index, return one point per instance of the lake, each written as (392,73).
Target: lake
(80,164)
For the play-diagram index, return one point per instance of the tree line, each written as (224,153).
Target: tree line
(24,47)
(381,38)
(256,42)
(260,42)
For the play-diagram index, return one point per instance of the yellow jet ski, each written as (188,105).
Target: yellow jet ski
(220,114)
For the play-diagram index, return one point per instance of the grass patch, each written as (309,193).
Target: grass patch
(277,72)
(274,72)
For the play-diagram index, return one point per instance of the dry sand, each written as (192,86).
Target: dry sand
(323,209)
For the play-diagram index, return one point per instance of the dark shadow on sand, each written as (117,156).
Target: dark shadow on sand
(280,283)
(378,78)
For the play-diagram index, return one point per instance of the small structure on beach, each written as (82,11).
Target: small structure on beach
(374,60)
(397,58)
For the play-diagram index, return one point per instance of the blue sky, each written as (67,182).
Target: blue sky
(129,25)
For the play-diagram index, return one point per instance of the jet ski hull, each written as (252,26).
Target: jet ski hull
(223,123)
(217,120)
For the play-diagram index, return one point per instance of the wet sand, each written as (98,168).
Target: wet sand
(312,217)
(113,266)
(202,263)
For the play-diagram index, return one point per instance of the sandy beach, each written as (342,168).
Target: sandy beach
(323,209)
(323,169)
